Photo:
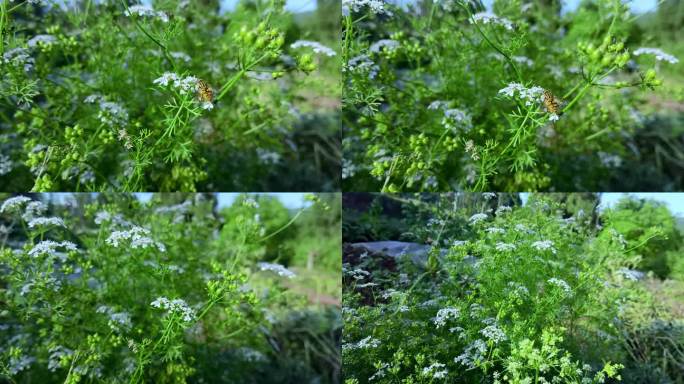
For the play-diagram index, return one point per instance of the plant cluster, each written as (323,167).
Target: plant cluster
(169,96)
(512,294)
(171,291)
(448,95)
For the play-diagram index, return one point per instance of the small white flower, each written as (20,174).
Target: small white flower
(493,333)
(138,238)
(444,314)
(455,118)
(315,46)
(562,284)
(386,44)
(19,57)
(438,104)
(14,203)
(46,221)
(177,306)
(553,117)
(488,17)
(659,54)
(504,247)
(544,245)
(496,230)
(523,60)
(435,371)
(530,96)
(375,6)
(146,11)
(49,247)
(277,268)
(476,218)
(6,164)
(181,56)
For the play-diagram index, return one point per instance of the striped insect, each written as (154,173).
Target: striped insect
(204,91)
(551,103)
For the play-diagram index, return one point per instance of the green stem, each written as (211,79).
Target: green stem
(508,58)
(165,51)
(284,226)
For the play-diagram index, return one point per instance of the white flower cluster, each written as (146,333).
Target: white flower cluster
(358,274)
(111,113)
(104,217)
(375,6)
(518,290)
(39,40)
(33,209)
(46,222)
(185,84)
(13,204)
(277,268)
(495,230)
(658,53)
(181,56)
(117,320)
(49,247)
(18,56)
(436,371)
(178,306)
(444,314)
(544,245)
(56,355)
(5,164)
(562,284)
(493,333)
(473,353)
(365,343)
(503,209)
(438,104)
(19,363)
(504,247)
(177,209)
(523,60)
(362,63)
(455,118)
(386,44)
(146,11)
(315,46)
(476,218)
(489,17)
(138,237)
(631,274)
(530,96)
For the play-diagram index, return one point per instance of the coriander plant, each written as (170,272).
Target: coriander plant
(110,289)
(166,95)
(452,95)
(529,293)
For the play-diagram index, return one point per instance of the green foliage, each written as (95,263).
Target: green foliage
(110,289)
(521,294)
(110,96)
(442,95)
(649,229)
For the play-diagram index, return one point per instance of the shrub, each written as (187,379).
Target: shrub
(180,97)
(445,95)
(120,291)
